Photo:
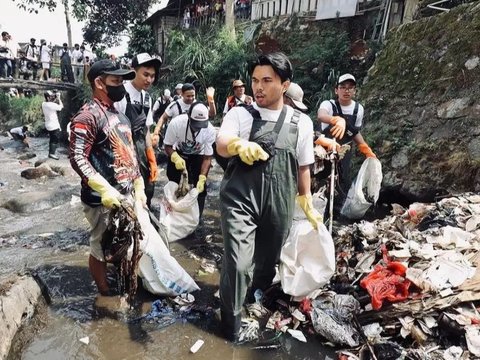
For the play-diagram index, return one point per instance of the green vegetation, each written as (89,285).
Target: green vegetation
(212,57)
(21,111)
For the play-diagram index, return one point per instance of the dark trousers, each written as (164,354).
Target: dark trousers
(54,140)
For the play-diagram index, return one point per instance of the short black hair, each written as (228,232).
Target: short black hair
(65,44)
(278,61)
(76,45)
(4,33)
(187,87)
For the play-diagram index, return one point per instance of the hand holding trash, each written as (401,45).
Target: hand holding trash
(327,143)
(110,196)
(178,161)
(139,188)
(201,183)
(366,150)
(306,203)
(339,125)
(248,151)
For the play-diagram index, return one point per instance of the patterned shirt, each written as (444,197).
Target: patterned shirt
(101,142)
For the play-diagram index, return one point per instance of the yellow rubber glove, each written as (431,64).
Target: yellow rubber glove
(110,196)
(139,188)
(339,125)
(152,164)
(178,161)
(366,150)
(306,203)
(248,151)
(201,183)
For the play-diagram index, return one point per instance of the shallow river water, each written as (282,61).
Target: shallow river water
(42,231)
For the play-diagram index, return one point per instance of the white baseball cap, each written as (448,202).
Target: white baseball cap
(347,77)
(295,93)
(199,116)
(166,92)
(179,87)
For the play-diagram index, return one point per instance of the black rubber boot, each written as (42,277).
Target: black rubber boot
(230,326)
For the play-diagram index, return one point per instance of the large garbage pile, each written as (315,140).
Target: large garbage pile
(407,286)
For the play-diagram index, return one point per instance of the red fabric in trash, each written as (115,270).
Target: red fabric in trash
(386,283)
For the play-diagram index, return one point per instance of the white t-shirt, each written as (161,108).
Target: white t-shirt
(238,122)
(76,55)
(346,110)
(45,54)
(172,109)
(176,134)
(51,117)
(17,130)
(237,102)
(136,97)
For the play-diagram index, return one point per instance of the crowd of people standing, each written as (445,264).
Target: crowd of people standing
(35,62)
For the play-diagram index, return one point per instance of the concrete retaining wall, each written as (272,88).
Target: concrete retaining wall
(17,304)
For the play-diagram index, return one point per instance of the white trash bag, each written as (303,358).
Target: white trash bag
(161,274)
(365,189)
(307,260)
(180,216)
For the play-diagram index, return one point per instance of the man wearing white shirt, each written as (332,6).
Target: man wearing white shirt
(8,55)
(189,145)
(137,105)
(271,146)
(342,119)
(181,106)
(77,63)
(50,107)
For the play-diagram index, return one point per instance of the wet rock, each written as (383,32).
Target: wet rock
(474,149)
(472,63)
(54,165)
(453,108)
(36,201)
(18,298)
(39,172)
(400,159)
(27,156)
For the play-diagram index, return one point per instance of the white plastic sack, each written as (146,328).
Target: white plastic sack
(307,260)
(161,274)
(180,216)
(365,189)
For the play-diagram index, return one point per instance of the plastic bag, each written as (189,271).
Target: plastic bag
(307,260)
(386,282)
(180,216)
(365,189)
(161,274)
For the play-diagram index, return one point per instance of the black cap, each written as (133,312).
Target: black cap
(4,33)
(33,39)
(144,59)
(107,67)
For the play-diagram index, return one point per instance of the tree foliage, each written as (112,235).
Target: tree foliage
(106,20)
(142,39)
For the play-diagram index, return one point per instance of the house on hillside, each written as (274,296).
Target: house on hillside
(189,14)
(389,13)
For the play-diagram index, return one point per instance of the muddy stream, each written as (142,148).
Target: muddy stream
(43,232)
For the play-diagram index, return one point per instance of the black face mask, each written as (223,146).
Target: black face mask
(116,93)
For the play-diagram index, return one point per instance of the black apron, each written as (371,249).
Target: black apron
(137,113)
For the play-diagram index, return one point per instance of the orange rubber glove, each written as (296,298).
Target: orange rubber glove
(339,125)
(327,143)
(152,164)
(365,150)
